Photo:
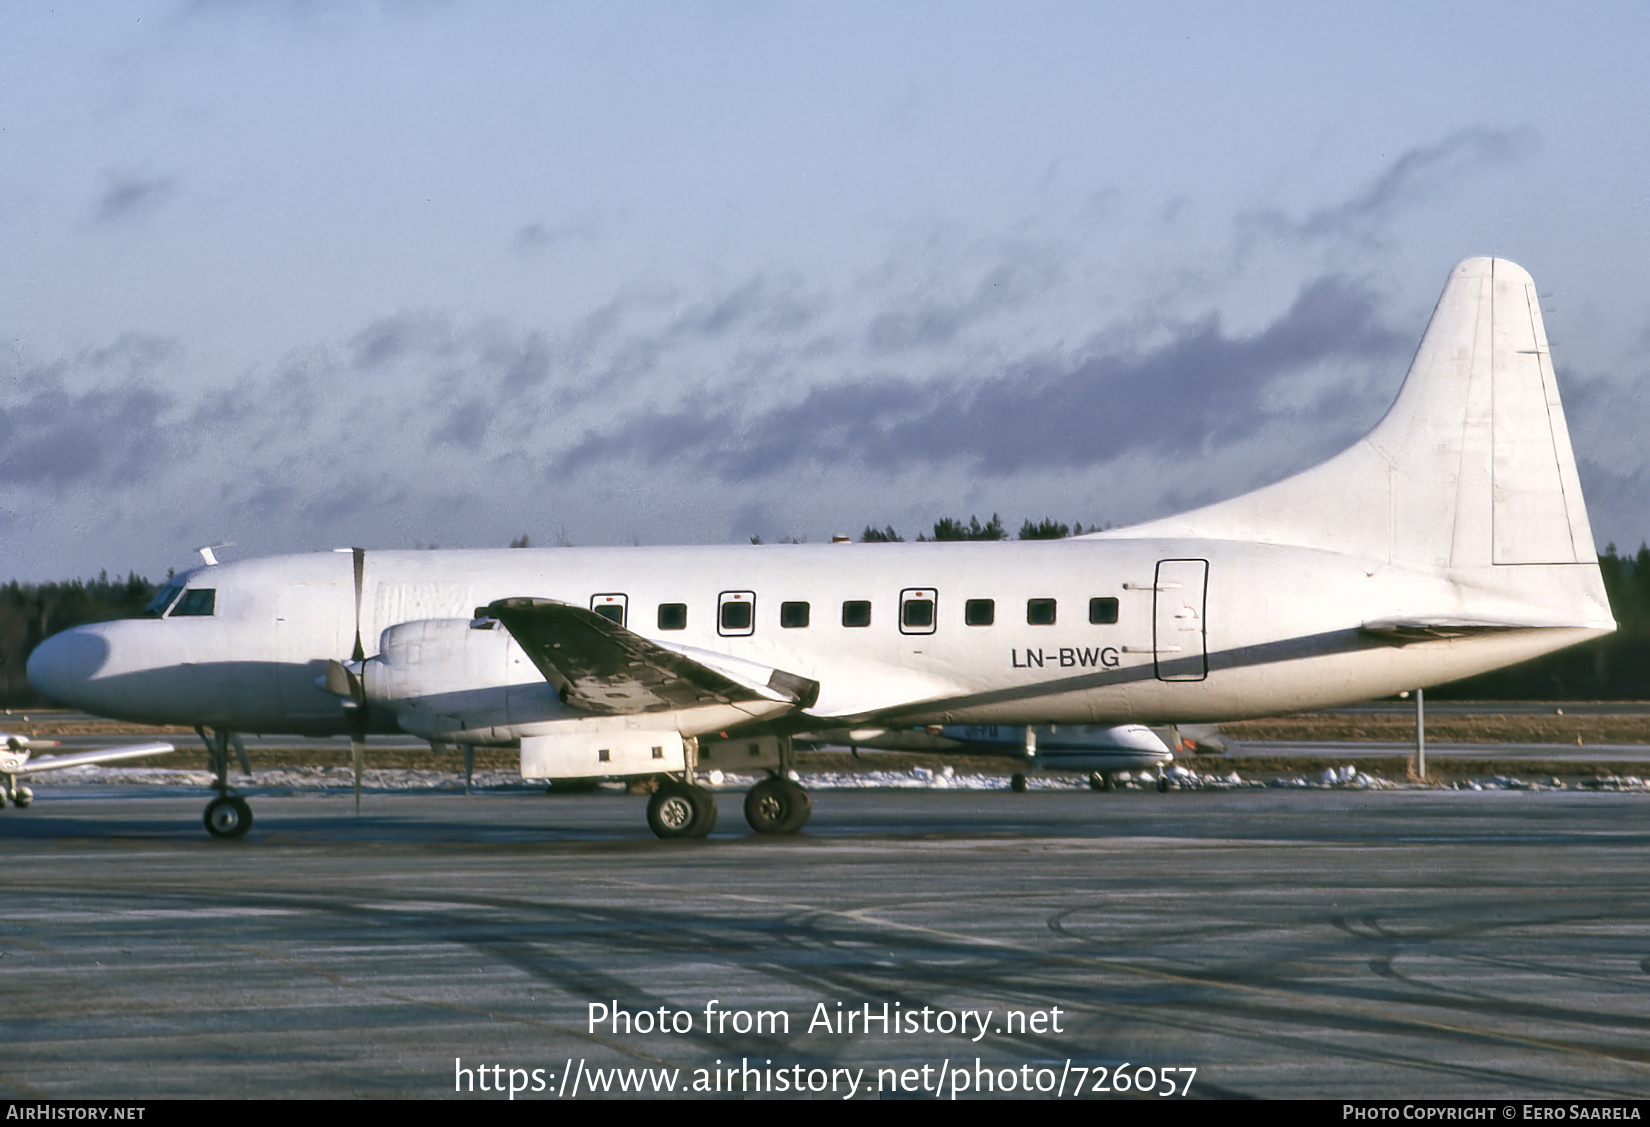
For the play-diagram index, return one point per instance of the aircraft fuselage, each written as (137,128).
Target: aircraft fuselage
(1088,630)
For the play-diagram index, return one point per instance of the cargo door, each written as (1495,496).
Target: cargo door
(1179,641)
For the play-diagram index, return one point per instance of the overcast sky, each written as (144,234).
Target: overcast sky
(304,275)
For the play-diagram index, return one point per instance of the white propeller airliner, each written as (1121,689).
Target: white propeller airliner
(1450,540)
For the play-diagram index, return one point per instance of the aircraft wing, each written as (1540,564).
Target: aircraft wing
(599,666)
(12,763)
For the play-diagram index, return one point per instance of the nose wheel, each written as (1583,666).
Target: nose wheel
(228,815)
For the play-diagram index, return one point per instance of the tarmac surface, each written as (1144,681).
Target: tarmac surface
(1285,943)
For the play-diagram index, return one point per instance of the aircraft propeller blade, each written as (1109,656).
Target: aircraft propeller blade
(360,557)
(346,682)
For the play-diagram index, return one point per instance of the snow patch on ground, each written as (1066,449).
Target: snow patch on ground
(313,780)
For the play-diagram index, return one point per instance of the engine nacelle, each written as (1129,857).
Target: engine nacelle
(444,676)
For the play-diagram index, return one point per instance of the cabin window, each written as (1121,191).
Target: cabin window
(610,607)
(673,616)
(1103,612)
(916,610)
(1040,612)
(197,601)
(163,599)
(856,612)
(980,612)
(736,613)
(793,615)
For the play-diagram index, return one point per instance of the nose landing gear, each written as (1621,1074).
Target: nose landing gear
(227,815)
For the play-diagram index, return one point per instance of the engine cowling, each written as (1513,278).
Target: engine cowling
(446,675)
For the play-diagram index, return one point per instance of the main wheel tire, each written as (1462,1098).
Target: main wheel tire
(802,808)
(228,815)
(677,810)
(1163,784)
(22,797)
(1017,782)
(777,806)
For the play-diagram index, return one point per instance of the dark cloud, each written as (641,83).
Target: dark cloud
(1008,284)
(758,304)
(1415,174)
(538,238)
(406,334)
(55,437)
(128,196)
(1200,388)
(466,423)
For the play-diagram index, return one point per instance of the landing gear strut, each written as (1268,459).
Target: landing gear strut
(227,815)
(776,805)
(1101,780)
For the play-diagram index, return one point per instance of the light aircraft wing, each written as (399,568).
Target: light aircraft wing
(599,666)
(15,758)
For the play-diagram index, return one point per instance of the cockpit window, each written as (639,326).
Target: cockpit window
(162,600)
(197,601)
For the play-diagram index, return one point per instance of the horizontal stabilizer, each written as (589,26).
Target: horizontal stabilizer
(600,667)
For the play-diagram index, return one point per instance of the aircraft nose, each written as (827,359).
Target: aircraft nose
(61,666)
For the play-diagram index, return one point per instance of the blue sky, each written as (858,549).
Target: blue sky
(303,275)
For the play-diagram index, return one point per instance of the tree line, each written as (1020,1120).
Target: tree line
(1616,667)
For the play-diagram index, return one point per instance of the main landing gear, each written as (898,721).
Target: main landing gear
(777,805)
(680,808)
(227,815)
(10,791)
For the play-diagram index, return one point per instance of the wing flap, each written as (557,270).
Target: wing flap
(600,667)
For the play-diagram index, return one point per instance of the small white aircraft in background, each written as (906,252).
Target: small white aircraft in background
(16,759)
(1100,750)
(1451,540)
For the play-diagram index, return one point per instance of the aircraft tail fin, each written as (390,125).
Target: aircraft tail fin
(1470,468)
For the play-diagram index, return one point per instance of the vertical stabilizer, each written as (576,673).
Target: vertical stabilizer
(1471,467)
